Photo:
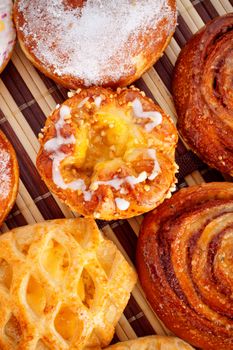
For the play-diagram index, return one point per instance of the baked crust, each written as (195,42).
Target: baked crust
(138,53)
(9,177)
(155,342)
(62,286)
(124,163)
(184,262)
(202,91)
(7,33)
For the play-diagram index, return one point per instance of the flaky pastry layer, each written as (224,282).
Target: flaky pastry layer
(152,343)
(62,286)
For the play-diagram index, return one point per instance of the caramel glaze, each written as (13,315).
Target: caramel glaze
(202,90)
(184,262)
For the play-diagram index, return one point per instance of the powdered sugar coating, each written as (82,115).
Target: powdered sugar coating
(7,31)
(92,42)
(5,174)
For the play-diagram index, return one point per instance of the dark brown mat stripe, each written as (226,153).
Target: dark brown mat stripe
(137,319)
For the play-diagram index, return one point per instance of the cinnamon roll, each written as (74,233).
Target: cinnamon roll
(108,43)
(184,261)
(202,90)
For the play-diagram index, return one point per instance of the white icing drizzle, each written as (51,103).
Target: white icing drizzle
(82,103)
(122,204)
(92,41)
(7,31)
(98,101)
(53,145)
(156,169)
(155,117)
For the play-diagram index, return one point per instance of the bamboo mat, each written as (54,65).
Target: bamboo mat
(27,97)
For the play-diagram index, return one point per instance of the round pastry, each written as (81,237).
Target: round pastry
(184,260)
(109,155)
(116,41)
(9,177)
(62,286)
(202,90)
(7,32)
(152,343)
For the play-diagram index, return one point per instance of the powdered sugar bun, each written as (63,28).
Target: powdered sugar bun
(9,177)
(7,32)
(108,43)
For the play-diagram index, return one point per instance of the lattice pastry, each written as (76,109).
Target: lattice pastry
(152,343)
(109,154)
(62,286)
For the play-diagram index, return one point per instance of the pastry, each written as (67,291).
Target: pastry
(9,177)
(109,155)
(62,286)
(116,41)
(184,261)
(202,90)
(7,32)
(152,343)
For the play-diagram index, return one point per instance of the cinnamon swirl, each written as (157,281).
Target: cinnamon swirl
(184,260)
(202,90)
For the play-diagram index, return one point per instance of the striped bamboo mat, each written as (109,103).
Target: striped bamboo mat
(27,97)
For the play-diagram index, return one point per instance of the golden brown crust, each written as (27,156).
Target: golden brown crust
(202,90)
(153,42)
(62,286)
(155,342)
(111,144)
(184,261)
(9,177)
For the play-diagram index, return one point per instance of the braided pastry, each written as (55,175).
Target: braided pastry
(62,286)
(152,343)
(7,32)
(9,177)
(109,155)
(116,41)
(202,90)
(184,260)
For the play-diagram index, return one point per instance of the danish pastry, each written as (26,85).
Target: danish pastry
(9,177)
(202,90)
(62,286)
(116,41)
(152,343)
(184,260)
(7,32)
(109,155)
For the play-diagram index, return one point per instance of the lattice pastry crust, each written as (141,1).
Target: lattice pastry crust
(62,286)
(152,343)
